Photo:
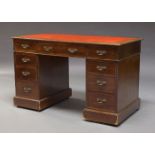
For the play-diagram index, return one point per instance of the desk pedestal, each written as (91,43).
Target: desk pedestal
(41,81)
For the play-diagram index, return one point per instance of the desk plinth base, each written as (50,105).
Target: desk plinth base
(44,103)
(111,118)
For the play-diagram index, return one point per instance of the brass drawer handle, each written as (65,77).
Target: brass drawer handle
(26,73)
(72,50)
(25,60)
(27,89)
(101,68)
(47,48)
(101,101)
(101,52)
(25,46)
(101,83)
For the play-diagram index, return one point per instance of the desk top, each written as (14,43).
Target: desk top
(92,39)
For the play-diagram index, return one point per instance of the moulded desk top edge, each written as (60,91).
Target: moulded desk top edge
(86,37)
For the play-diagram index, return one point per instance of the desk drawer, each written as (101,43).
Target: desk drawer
(25,73)
(27,89)
(102,67)
(25,59)
(21,45)
(101,101)
(96,82)
(103,52)
(70,50)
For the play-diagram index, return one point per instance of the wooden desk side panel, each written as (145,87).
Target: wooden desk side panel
(53,75)
(128,81)
(129,50)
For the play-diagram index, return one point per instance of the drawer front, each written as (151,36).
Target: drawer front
(21,45)
(101,101)
(70,50)
(102,67)
(25,73)
(103,52)
(101,84)
(27,89)
(25,59)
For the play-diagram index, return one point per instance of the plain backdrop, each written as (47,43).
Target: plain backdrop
(67,116)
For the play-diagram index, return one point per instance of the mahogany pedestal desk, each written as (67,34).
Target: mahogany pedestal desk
(112,73)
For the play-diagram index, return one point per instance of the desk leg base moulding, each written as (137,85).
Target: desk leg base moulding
(44,103)
(111,118)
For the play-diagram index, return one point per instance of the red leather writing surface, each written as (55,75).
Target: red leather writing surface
(80,38)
